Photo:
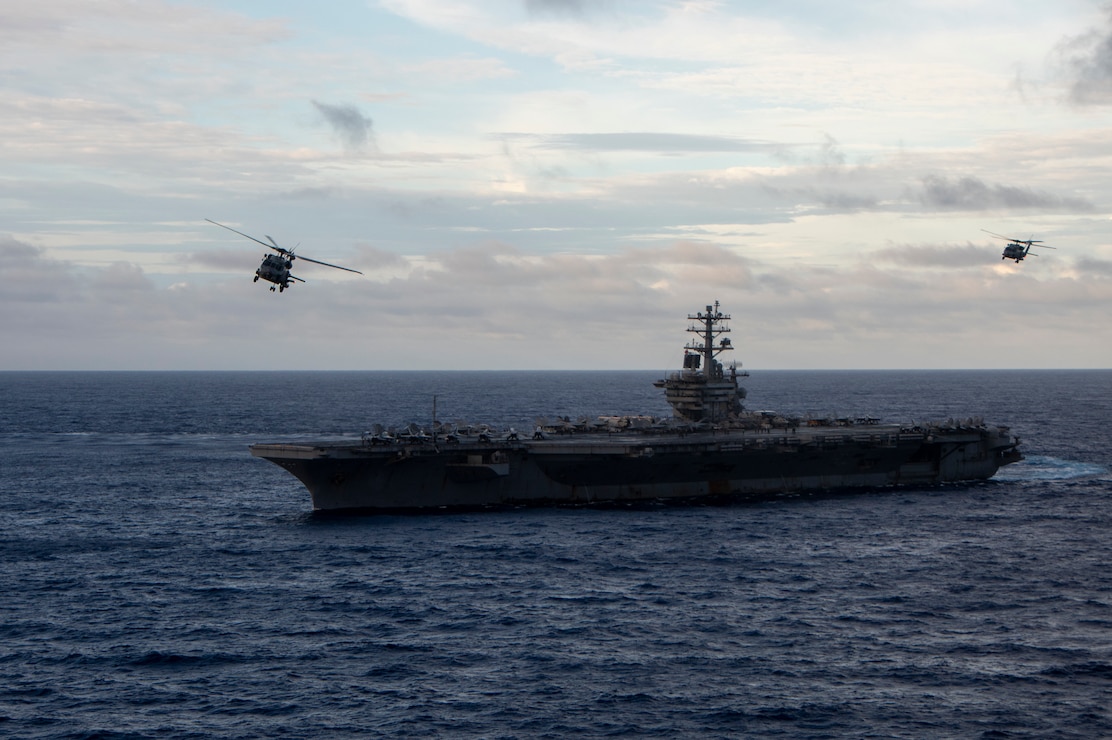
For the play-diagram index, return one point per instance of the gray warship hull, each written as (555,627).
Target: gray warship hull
(637,466)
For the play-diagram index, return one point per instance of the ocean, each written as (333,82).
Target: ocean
(158,581)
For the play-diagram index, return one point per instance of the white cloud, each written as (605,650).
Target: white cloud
(491,305)
(543,181)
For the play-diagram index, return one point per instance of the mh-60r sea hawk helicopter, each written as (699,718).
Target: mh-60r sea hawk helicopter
(276,267)
(1017,249)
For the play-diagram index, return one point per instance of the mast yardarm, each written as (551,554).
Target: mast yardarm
(708,329)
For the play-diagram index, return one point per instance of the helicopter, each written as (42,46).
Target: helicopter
(276,267)
(1017,249)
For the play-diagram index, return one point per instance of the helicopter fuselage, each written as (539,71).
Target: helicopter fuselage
(1016,251)
(275,269)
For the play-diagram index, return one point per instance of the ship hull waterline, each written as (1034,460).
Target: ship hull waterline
(634,467)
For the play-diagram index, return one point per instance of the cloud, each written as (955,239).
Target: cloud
(949,257)
(348,123)
(369,260)
(670,161)
(457,71)
(119,27)
(562,7)
(974,194)
(30,277)
(1088,58)
(1099,268)
(226,260)
(491,305)
(121,276)
(643,141)
(788,202)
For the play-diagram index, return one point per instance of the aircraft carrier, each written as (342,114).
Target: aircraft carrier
(712,447)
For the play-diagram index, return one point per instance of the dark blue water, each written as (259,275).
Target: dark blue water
(157,581)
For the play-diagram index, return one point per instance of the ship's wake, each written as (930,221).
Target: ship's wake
(1041,467)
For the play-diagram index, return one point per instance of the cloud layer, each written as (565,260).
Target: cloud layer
(553,184)
(907,306)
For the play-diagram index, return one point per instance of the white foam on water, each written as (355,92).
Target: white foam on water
(1040,467)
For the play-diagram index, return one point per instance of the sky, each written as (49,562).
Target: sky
(554,184)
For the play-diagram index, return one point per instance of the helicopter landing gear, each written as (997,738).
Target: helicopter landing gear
(272,289)
(256,279)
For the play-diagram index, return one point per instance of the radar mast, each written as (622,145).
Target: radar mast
(706,349)
(703,391)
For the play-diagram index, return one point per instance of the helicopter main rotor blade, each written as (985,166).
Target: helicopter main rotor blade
(1000,236)
(1013,239)
(229,228)
(281,250)
(327,264)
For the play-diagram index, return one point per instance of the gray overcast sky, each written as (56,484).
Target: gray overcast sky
(554,183)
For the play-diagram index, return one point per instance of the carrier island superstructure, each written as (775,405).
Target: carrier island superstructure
(711,447)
